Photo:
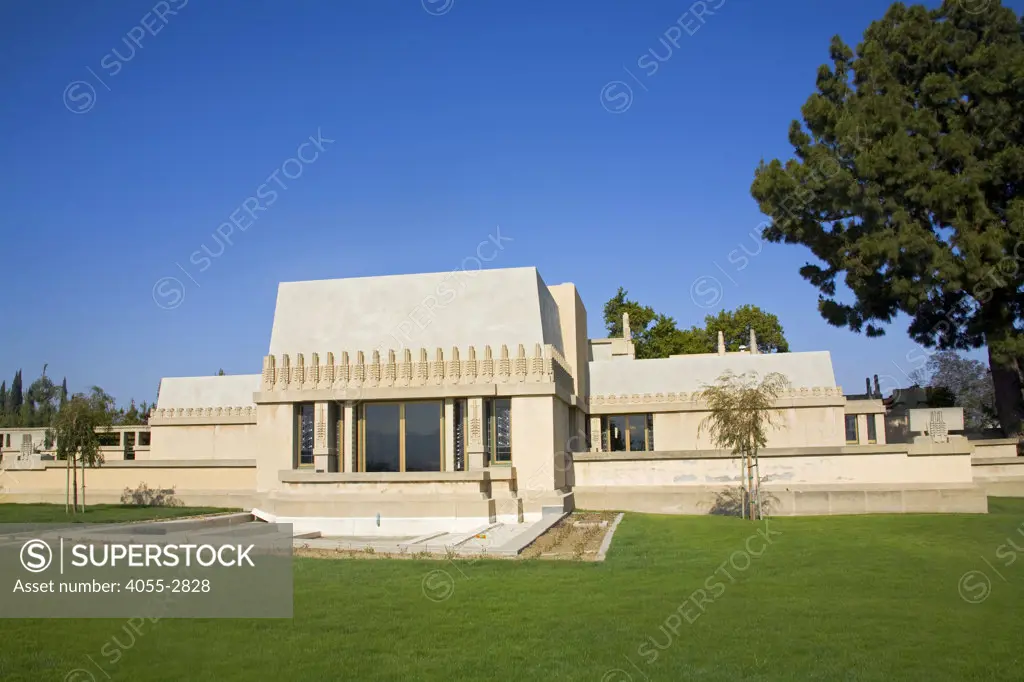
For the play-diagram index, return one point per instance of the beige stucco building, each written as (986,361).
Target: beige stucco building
(400,404)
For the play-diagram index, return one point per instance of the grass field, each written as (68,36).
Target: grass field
(835,598)
(94,513)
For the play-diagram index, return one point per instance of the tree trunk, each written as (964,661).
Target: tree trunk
(74,480)
(67,484)
(750,485)
(1006,381)
(83,485)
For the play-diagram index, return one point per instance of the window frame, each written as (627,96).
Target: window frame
(360,432)
(297,462)
(872,430)
(491,433)
(648,430)
(856,429)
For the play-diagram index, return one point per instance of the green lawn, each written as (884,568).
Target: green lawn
(840,598)
(95,513)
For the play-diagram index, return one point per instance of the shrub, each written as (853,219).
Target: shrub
(735,501)
(144,496)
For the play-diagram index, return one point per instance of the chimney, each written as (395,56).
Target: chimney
(867,386)
(878,391)
(626,333)
(753,341)
(721,343)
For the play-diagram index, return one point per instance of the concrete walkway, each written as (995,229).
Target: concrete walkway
(496,539)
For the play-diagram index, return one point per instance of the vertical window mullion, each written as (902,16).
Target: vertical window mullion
(401,437)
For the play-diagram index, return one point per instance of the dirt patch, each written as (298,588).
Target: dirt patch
(316,553)
(577,537)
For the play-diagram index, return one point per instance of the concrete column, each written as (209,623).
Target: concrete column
(325,450)
(476,458)
(880,428)
(595,434)
(348,424)
(449,434)
(862,429)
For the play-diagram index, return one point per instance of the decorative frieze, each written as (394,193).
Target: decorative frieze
(642,398)
(184,416)
(545,365)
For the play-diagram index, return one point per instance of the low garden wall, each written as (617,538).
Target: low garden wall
(919,477)
(213,483)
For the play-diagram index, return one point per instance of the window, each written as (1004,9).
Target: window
(402,436)
(129,445)
(851,428)
(109,439)
(627,433)
(304,434)
(145,438)
(498,430)
(872,434)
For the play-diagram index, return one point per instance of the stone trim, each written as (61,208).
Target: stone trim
(184,416)
(821,451)
(820,396)
(545,366)
(298,476)
(166,464)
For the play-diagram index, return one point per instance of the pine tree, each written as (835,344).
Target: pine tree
(906,184)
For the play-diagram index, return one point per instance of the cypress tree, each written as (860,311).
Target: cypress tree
(63,391)
(16,396)
(3,399)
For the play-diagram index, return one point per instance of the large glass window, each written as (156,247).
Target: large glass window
(423,436)
(382,436)
(402,436)
(872,432)
(851,428)
(304,434)
(627,433)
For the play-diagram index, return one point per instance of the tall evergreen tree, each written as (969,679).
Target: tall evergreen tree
(907,181)
(3,400)
(15,400)
(64,392)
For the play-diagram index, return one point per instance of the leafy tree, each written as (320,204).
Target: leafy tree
(741,411)
(657,336)
(220,372)
(41,402)
(653,334)
(961,382)
(907,179)
(75,431)
(736,326)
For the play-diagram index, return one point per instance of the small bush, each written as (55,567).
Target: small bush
(144,496)
(736,502)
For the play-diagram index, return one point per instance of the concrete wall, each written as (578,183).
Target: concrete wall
(222,484)
(882,464)
(798,426)
(275,448)
(932,477)
(573,318)
(208,441)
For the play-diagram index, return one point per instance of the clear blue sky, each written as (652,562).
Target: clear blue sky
(449,119)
